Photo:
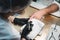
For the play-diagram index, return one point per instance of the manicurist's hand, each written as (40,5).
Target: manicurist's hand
(11,18)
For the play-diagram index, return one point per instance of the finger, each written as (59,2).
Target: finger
(31,17)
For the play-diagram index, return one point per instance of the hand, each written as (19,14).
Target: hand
(38,15)
(11,18)
(23,39)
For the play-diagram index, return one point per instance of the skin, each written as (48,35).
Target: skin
(50,9)
(23,39)
(39,14)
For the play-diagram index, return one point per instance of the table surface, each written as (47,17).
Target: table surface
(48,20)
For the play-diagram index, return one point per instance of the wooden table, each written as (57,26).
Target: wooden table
(48,20)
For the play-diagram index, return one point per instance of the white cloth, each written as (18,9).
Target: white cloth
(37,27)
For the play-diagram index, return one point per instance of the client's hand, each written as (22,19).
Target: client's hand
(38,15)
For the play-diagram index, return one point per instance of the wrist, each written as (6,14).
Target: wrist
(44,12)
(11,18)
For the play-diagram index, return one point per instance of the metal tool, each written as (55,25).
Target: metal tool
(52,35)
